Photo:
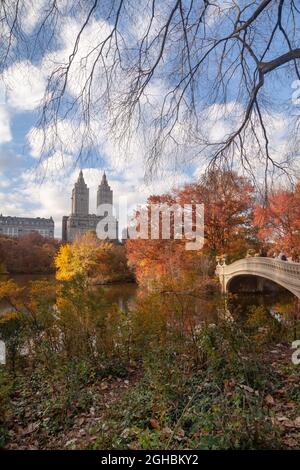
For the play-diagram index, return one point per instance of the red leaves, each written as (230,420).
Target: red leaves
(228,202)
(279,221)
(28,254)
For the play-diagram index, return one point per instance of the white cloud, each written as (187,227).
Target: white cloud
(56,165)
(4,182)
(68,136)
(64,135)
(5,131)
(217,10)
(33,199)
(52,196)
(87,51)
(9,160)
(31,13)
(125,164)
(25,85)
(12,203)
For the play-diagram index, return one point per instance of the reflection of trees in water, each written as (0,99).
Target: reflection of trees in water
(121,295)
(289,312)
(260,299)
(203,309)
(22,280)
(282,306)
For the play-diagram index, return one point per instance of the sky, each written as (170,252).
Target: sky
(28,188)
(31,188)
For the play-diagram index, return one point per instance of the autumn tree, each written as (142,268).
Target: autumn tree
(228,211)
(165,263)
(168,72)
(278,222)
(100,261)
(29,254)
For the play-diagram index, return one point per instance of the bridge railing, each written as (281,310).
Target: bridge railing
(288,268)
(285,273)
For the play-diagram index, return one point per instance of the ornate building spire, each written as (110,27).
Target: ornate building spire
(80,197)
(80,178)
(104,193)
(80,221)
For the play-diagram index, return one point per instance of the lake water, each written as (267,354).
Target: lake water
(124,293)
(120,294)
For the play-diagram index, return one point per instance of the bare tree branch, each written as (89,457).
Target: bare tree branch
(201,55)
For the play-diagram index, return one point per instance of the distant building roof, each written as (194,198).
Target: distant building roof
(25,220)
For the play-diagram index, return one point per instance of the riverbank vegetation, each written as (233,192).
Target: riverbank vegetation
(81,374)
(180,368)
(101,262)
(29,254)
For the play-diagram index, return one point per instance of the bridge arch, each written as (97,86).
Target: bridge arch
(285,274)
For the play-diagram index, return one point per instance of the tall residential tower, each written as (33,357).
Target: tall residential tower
(104,193)
(80,221)
(80,197)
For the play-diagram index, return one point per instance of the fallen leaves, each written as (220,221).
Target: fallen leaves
(154,424)
(269,400)
(289,423)
(32,427)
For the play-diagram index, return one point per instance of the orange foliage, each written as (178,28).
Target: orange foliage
(228,210)
(279,222)
(228,202)
(28,254)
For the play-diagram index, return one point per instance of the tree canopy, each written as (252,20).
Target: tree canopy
(185,78)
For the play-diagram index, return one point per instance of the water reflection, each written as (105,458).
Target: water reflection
(119,294)
(123,295)
(280,305)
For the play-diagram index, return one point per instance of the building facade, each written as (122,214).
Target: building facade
(80,221)
(18,226)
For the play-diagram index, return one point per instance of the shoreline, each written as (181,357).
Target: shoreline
(52,274)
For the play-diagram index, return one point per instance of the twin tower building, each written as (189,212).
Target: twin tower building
(80,220)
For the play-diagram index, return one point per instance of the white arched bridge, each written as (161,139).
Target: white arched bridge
(284,273)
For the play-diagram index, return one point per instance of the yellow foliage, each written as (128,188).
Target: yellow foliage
(10,291)
(63,263)
(91,258)
(8,316)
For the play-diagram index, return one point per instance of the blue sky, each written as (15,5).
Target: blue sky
(27,190)
(30,188)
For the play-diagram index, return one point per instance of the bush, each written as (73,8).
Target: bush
(180,403)
(5,409)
